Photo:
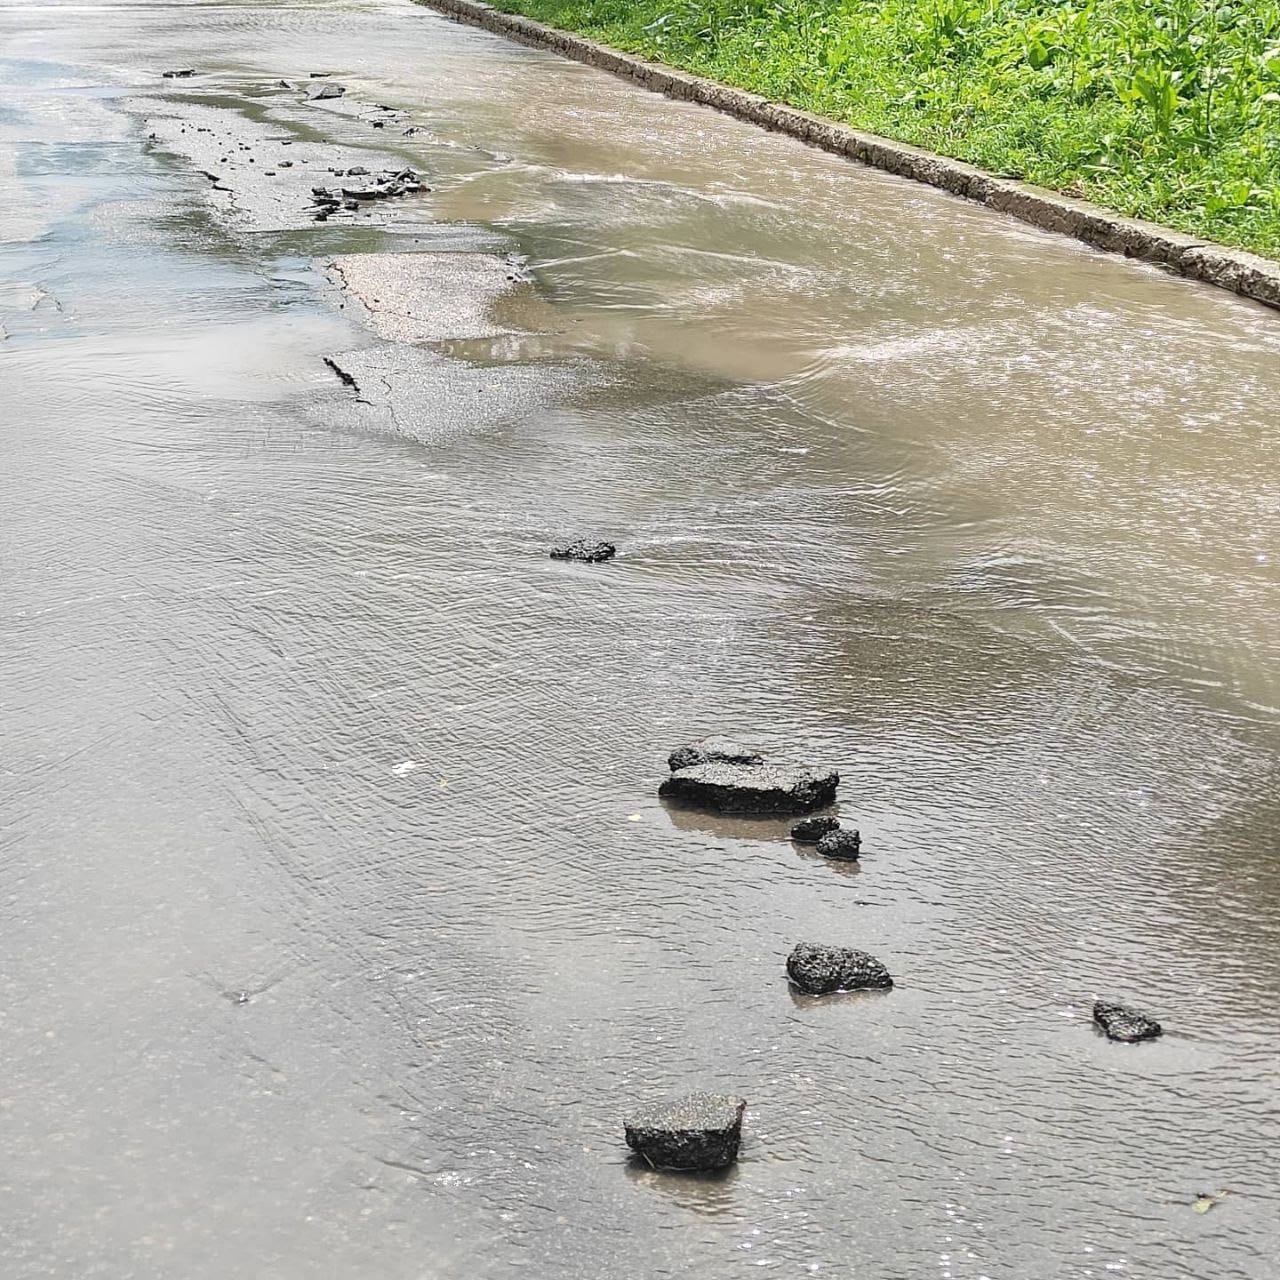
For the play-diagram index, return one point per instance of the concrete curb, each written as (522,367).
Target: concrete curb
(1232,269)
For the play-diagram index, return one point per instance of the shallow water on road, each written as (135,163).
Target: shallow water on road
(340,921)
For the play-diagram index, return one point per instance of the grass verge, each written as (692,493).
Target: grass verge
(1167,110)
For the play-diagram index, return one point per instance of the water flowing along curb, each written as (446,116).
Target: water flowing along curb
(1232,269)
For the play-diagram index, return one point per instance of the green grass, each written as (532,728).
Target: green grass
(1161,109)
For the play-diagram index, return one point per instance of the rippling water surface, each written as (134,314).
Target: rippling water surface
(339,922)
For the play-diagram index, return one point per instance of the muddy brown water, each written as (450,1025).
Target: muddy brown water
(295,708)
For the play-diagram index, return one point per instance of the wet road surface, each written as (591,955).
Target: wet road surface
(339,920)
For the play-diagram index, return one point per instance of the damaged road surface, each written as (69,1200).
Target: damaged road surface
(342,928)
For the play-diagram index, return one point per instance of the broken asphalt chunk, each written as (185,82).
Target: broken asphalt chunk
(811,830)
(752,788)
(713,750)
(841,845)
(1125,1024)
(587,552)
(821,971)
(698,1132)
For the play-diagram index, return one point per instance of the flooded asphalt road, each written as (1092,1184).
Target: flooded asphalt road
(339,922)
